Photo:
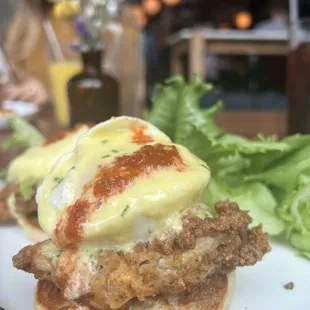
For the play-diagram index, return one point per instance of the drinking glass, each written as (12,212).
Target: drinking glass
(64,62)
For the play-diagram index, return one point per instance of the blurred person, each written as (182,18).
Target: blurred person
(7,8)
(278,17)
(26,45)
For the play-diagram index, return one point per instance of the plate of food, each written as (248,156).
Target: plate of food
(280,281)
(168,213)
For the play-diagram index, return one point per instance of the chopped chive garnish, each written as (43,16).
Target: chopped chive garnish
(124,211)
(203,165)
(106,182)
(59,253)
(105,156)
(115,151)
(58,180)
(104,141)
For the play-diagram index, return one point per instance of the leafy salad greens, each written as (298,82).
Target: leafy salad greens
(267,176)
(24,136)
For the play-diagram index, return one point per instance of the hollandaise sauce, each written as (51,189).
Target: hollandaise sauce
(124,182)
(35,163)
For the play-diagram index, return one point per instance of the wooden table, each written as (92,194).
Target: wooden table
(199,42)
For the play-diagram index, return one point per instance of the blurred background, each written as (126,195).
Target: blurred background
(254,52)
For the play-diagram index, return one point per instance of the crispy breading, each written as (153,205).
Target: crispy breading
(162,267)
(208,295)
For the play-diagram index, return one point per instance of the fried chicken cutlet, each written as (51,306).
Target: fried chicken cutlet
(112,278)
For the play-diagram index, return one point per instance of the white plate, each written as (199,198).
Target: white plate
(24,109)
(258,288)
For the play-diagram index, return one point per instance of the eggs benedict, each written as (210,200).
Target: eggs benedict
(26,172)
(127,228)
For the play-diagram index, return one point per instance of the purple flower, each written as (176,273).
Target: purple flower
(81,27)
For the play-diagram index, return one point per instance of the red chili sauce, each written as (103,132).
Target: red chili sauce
(139,135)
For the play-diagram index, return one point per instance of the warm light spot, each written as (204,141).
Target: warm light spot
(172,2)
(140,16)
(152,7)
(243,20)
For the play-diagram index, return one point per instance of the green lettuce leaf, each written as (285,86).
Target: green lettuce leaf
(24,135)
(305,254)
(177,113)
(189,114)
(233,155)
(286,173)
(249,146)
(165,104)
(227,164)
(295,212)
(3,174)
(255,197)
(26,189)
(264,161)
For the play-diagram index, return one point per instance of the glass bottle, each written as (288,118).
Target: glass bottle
(124,57)
(93,95)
